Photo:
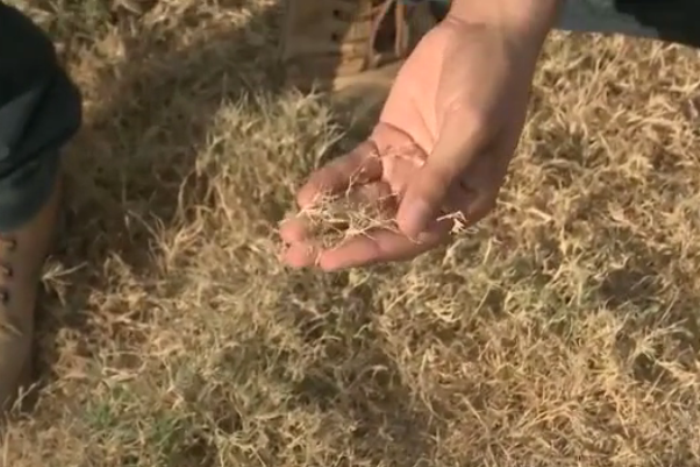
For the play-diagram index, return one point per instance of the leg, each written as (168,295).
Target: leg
(40,110)
(667,20)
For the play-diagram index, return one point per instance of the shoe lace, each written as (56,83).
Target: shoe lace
(378,14)
(401,38)
(7,245)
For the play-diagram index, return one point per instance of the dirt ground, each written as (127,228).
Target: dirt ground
(562,332)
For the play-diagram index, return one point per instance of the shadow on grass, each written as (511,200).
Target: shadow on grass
(131,171)
(131,168)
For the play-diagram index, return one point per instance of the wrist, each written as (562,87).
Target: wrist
(525,20)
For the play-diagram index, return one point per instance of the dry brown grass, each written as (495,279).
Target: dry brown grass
(563,332)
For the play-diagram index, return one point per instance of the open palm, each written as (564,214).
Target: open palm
(443,143)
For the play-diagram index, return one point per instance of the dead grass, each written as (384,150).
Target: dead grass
(563,332)
(333,219)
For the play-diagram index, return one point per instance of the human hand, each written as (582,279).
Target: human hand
(443,144)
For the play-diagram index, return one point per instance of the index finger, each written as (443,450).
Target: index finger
(360,166)
(380,246)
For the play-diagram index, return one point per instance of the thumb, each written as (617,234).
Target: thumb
(459,142)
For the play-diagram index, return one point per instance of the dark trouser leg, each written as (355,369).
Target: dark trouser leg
(668,20)
(40,109)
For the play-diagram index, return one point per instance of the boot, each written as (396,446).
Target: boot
(22,254)
(332,45)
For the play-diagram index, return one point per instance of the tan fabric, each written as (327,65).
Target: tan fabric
(330,44)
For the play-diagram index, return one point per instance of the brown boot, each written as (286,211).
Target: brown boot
(22,254)
(332,45)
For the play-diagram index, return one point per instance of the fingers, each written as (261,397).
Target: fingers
(360,166)
(470,203)
(300,255)
(374,246)
(377,194)
(381,245)
(298,233)
(461,141)
(371,245)
(364,247)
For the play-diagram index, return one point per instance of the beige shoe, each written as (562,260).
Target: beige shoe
(22,254)
(332,45)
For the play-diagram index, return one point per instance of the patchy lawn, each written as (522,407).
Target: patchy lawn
(562,332)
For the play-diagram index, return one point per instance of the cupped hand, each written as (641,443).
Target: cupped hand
(442,146)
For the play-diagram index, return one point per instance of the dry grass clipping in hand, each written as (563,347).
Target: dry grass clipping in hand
(335,218)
